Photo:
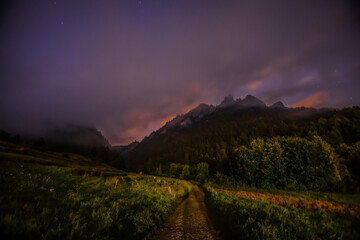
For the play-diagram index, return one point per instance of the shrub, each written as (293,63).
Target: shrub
(185,173)
(174,170)
(224,180)
(202,172)
(288,163)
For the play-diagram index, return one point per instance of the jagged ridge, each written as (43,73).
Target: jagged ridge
(196,114)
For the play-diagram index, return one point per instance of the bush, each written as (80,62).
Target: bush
(185,173)
(288,163)
(224,180)
(351,154)
(174,170)
(202,172)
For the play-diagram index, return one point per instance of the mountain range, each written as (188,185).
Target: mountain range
(203,110)
(206,132)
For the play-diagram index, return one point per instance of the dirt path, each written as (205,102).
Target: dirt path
(189,221)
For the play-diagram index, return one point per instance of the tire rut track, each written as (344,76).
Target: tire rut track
(189,221)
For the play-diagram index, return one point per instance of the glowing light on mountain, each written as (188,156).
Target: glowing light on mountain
(313,100)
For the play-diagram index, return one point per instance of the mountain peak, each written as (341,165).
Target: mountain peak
(250,97)
(251,101)
(201,109)
(228,100)
(193,116)
(278,104)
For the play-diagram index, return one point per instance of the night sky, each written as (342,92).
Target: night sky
(127,67)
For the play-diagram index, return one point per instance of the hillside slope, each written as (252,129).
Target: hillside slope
(210,134)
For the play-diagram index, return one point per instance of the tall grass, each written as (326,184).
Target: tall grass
(52,202)
(342,198)
(248,219)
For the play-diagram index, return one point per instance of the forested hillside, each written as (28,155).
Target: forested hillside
(220,136)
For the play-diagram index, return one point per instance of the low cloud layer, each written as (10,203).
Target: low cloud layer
(127,67)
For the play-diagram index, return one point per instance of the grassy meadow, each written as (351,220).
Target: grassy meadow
(53,195)
(341,198)
(254,218)
(48,197)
